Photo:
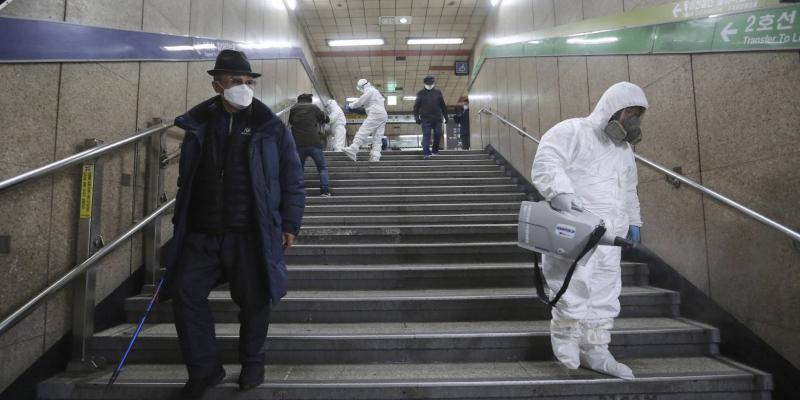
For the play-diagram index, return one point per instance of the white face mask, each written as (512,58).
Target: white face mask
(429,87)
(239,96)
(466,107)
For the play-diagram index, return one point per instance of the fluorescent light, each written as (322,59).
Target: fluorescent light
(355,42)
(204,46)
(535,42)
(435,41)
(409,98)
(266,45)
(391,100)
(351,99)
(292,4)
(600,40)
(403,20)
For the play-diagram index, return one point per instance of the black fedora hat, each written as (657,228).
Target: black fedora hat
(234,62)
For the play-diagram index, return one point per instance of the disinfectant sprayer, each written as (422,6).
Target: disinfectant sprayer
(569,235)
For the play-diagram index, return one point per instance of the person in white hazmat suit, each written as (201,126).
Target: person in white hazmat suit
(374,125)
(588,163)
(337,124)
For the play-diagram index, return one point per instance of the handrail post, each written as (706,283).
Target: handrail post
(89,241)
(153,191)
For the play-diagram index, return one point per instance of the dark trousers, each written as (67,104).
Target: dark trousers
(206,260)
(465,141)
(426,137)
(318,156)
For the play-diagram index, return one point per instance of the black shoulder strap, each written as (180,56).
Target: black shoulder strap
(538,279)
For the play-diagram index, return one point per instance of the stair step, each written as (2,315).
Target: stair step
(688,378)
(406,234)
(408,219)
(311,168)
(419,181)
(403,253)
(417,198)
(384,208)
(426,305)
(387,153)
(349,191)
(415,342)
(428,276)
(363,157)
(401,174)
(430,163)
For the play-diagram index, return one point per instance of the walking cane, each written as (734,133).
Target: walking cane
(115,375)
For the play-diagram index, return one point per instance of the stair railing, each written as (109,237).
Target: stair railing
(91,245)
(792,234)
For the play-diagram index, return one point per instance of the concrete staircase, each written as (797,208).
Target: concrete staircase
(408,284)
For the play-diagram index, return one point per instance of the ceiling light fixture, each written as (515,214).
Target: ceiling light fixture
(354,42)
(403,20)
(391,100)
(409,98)
(351,99)
(600,40)
(435,41)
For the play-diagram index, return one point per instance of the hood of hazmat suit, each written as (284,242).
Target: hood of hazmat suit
(371,100)
(576,156)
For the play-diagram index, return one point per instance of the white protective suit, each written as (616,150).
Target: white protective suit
(337,124)
(576,156)
(374,125)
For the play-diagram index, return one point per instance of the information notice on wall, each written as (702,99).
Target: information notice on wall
(86,191)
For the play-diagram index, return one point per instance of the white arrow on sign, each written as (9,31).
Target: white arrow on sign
(728,31)
(677,9)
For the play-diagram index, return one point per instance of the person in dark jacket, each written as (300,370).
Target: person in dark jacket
(306,121)
(239,205)
(429,111)
(463,125)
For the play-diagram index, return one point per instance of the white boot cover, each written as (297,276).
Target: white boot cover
(565,336)
(594,352)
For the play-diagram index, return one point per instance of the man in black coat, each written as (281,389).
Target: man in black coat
(239,205)
(429,112)
(306,121)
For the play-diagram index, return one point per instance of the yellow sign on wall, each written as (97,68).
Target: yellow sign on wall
(86,191)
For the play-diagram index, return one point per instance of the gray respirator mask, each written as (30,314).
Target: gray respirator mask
(629,130)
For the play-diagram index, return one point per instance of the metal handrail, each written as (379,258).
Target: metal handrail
(719,197)
(80,157)
(76,272)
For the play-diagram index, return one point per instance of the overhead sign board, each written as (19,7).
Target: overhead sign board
(462,68)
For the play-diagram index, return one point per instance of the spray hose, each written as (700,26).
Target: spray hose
(538,279)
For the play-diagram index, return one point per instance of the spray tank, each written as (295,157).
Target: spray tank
(571,235)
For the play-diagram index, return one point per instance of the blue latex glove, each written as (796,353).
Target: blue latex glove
(634,234)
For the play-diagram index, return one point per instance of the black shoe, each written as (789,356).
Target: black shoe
(251,376)
(196,388)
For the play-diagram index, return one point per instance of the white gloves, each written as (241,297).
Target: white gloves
(565,202)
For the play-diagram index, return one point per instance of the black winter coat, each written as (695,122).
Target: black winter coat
(429,106)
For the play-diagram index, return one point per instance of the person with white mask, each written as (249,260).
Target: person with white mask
(430,112)
(375,124)
(588,163)
(337,124)
(239,205)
